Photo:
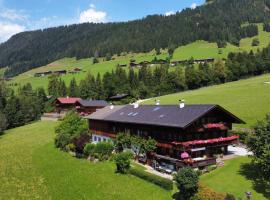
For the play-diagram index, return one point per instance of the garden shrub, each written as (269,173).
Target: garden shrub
(62,140)
(71,128)
(122,161)
(199,172)
(70,147)
(103,150)
(187,182)
(157,180)
(230,197)
(209,194)
(89,149)
(80,141)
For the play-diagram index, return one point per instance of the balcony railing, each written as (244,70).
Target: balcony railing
(191,163)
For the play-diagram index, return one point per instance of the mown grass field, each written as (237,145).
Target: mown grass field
(249,99)
(31,168)
(198,49)
(237,177)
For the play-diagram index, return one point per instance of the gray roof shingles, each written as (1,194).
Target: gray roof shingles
(163,115)
(93,103)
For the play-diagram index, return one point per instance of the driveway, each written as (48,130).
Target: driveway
(238,151)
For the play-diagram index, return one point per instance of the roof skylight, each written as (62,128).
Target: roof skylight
(156,108)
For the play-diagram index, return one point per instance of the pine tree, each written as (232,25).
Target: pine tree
(73,90)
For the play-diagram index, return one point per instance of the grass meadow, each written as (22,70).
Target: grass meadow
(203,49)
(32,168)
(248,99)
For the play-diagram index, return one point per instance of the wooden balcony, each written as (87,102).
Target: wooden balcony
(192,163)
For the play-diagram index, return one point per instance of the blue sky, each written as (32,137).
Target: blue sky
(23,15)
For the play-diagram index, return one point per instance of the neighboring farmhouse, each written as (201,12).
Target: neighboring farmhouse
(83,107)
(187,135)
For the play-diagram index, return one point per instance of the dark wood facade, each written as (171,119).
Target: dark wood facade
(202,139)
(86,110)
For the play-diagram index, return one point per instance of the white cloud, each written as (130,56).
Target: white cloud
(193,6)
(13,15)
(169,13)
(92,15)
(9,29)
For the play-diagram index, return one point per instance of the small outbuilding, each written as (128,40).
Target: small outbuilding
(87,107)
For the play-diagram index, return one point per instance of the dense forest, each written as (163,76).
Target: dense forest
(149,82)
(219,21)
(22,107)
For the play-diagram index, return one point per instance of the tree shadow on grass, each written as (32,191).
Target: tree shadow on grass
(251,172)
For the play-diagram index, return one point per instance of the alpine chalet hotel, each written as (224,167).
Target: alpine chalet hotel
(186,135)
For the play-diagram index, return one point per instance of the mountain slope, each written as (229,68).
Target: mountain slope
(248,99)
(219,21)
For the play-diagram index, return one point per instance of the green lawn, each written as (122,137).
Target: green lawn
(249,99)
(31,168)
(237,177)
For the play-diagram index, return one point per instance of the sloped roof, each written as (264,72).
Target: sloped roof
(68,100)
(93,103)
(162,115)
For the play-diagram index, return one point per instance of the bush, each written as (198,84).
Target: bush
(221,44)
(89,149)
(122,161)
(71,127)
(80,142)
(229,197)
(62,140)
(104,150)
(209,194)
(255,42)
(70,147)
(187,182)
(157,180)
(243,135)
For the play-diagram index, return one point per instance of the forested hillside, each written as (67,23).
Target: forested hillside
(220,21)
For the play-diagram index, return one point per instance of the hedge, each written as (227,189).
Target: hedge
(162,182)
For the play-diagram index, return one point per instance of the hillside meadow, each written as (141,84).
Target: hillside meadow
(203,49)
(248,99)
(197,50)
(32,168)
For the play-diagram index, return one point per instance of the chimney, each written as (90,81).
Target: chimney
(157,102)
(136,105)
(182,103)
